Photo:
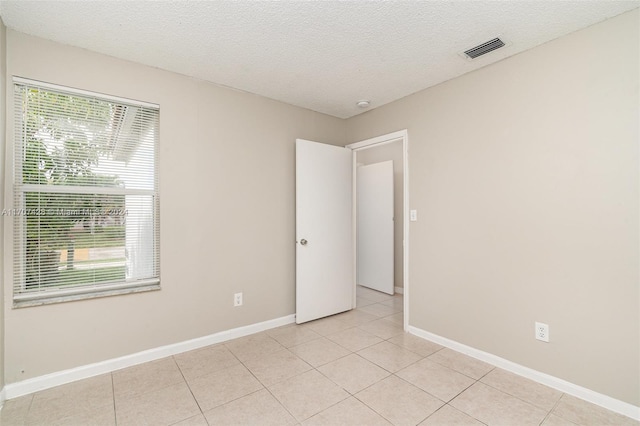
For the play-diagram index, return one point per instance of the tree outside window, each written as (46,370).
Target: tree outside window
(85,192)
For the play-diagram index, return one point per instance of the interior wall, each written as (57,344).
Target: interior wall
(525,175)
(3,107)
(227,214)
(391,151)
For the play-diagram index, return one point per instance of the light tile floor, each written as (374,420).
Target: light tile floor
(355,368)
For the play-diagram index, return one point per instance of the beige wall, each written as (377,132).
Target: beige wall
(227,214)
(525,175)
(392,151)
(3,78)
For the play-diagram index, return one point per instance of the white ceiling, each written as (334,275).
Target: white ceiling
(320,55)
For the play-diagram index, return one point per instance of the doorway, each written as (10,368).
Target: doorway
(394,147)
(379,218)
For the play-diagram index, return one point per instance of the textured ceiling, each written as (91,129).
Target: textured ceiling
(320,55)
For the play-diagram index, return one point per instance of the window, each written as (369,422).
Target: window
(86,219)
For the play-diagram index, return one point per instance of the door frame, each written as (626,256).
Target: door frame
(401,135)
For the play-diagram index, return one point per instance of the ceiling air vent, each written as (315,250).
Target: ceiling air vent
(484,48)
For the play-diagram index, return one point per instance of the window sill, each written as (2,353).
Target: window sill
(44,299)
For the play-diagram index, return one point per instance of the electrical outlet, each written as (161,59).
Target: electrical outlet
(237,299)
(542,332)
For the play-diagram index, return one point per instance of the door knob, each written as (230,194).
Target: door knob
(303,242)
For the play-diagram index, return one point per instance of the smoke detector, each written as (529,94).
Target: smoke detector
(363,104)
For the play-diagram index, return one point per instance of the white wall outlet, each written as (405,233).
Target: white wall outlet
(542,332)
(413,215)
(237,299)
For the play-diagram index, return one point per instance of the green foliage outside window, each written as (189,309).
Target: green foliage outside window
(65,139)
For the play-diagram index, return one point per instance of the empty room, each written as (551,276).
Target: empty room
(320,212)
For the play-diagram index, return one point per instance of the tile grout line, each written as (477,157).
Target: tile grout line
(422,390)
(263,385)
(428,393)
(226,368)
(281,404)
(553,409)
(190,391)
(349,394)
(460,393)
(445,402)
(432,414)
(113,394)
(465,413)
(27,411)
(458,371)
(549,412)
(33,397)
(371,408)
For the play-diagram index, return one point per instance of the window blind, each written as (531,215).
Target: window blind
(86,213)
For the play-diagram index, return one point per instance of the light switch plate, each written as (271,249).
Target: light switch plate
(413,215)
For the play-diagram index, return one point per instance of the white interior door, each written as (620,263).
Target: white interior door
(375,226)
(324,239)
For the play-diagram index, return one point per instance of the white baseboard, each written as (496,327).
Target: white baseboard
(399,290)
(562,385)
(3,397)
(14,390)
